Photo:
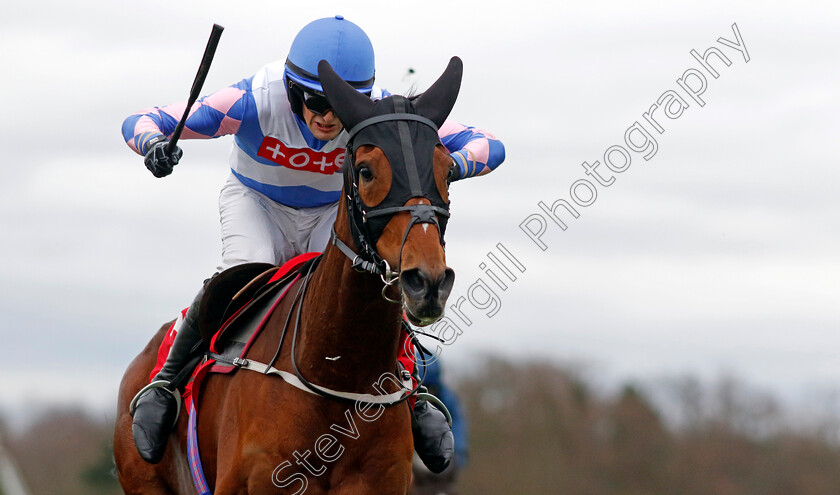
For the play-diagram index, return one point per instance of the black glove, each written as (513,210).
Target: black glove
(454,173)
(158,160)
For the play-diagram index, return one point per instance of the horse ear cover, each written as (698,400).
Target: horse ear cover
(437,101)
(408,144)
(353,107)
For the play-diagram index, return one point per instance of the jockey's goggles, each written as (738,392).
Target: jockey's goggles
(315,101)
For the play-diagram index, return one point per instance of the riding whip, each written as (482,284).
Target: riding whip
(200,76)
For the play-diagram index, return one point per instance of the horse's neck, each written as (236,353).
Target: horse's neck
(349,332)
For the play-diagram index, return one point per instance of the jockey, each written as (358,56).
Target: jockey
(281,197)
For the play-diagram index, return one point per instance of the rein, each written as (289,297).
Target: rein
(385,400)
(297,379)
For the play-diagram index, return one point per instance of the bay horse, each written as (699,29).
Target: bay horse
(257,434)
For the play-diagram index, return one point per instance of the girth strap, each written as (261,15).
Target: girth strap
(291,379)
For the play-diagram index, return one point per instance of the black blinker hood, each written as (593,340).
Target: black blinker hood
(408,141)
(406,131)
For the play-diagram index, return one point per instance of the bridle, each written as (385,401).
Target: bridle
(368,222)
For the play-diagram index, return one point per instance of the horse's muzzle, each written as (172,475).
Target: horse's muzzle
(424,294)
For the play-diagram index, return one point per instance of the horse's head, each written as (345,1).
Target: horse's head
(396,188)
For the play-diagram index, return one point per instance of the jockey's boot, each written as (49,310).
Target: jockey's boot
(433,440)
(157,408)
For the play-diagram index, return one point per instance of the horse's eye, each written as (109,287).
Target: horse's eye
(365,173)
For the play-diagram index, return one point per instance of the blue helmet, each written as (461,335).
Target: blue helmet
(338,41)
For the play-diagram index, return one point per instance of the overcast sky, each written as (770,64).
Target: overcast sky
(716,255)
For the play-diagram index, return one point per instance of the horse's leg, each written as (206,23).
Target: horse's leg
(136,476)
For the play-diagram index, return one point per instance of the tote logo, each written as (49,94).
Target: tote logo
(302,158)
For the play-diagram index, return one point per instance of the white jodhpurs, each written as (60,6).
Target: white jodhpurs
(258,229)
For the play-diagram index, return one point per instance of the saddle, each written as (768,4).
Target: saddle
(235,305)
(228,292)
(235,308)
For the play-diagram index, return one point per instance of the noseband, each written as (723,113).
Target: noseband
(412,177)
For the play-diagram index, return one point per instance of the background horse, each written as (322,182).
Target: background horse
(257,434)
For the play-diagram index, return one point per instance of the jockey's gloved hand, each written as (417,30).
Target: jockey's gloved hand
(158,160)
(454,172)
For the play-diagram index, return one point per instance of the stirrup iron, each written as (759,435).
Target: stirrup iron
(426,396)
(164,384)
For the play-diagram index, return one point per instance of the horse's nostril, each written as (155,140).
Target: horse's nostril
(413,282)
(445,285)
(417,283)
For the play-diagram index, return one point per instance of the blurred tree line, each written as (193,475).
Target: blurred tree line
(537,428)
